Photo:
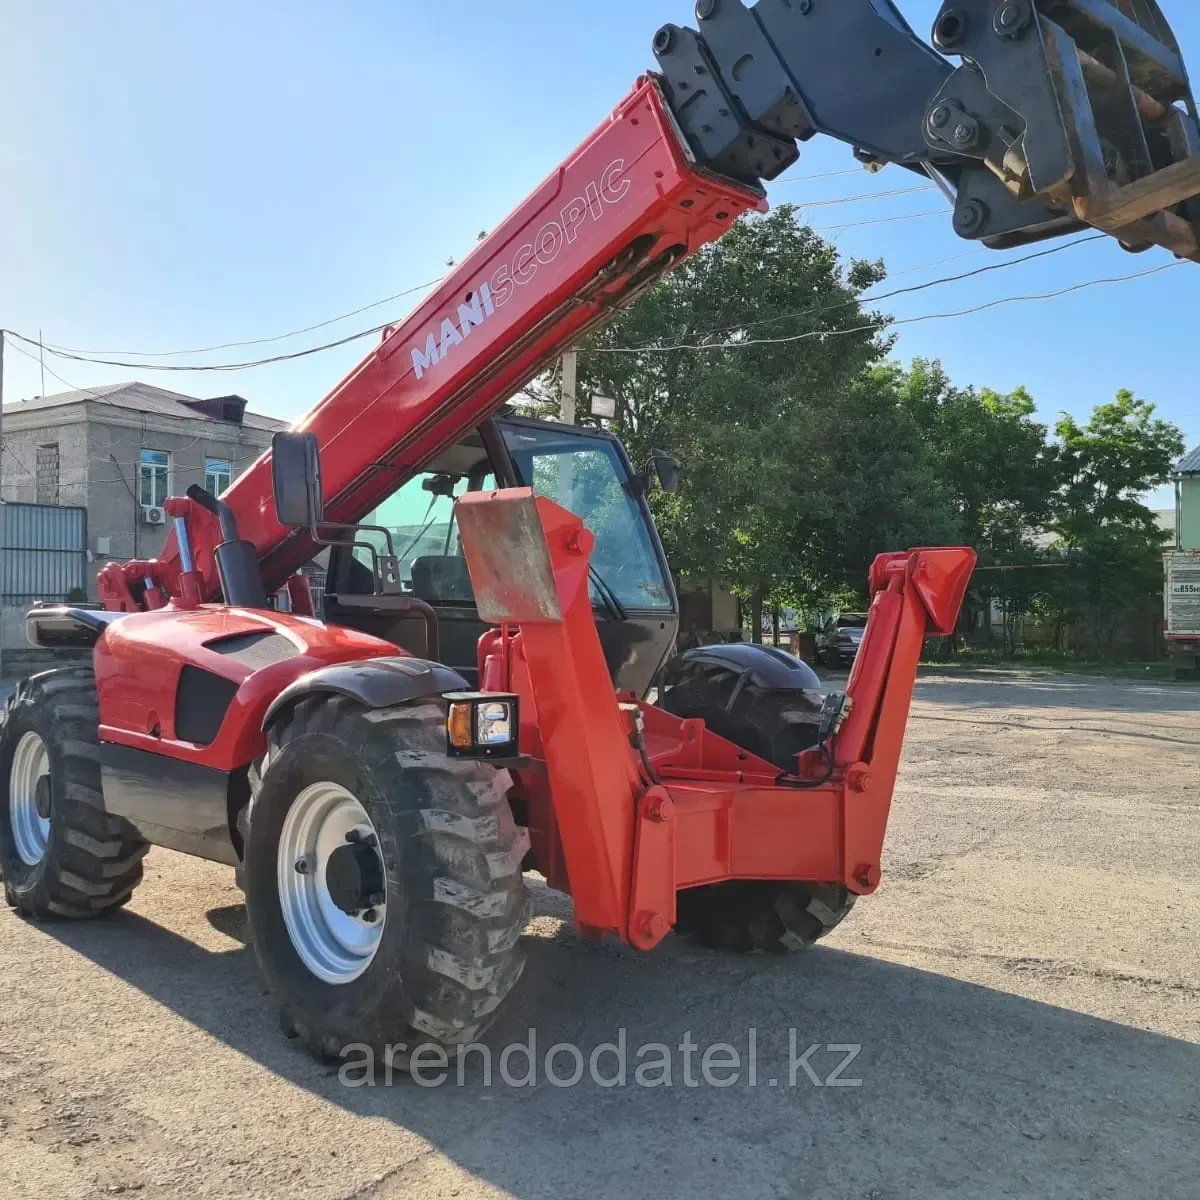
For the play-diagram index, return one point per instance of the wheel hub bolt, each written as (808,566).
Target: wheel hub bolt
(370,916)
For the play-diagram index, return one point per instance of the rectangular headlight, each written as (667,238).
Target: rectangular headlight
(482,725)
(494,725)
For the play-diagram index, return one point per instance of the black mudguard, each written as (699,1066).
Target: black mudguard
(373,682)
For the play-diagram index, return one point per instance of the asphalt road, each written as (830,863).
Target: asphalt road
(1025,991)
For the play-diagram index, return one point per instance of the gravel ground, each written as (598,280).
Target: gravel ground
(1025,990)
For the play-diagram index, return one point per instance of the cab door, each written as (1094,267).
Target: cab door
(420,518)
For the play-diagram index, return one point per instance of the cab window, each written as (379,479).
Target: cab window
(587,476)
(419,517)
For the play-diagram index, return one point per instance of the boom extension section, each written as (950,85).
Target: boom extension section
(1062,114)
(619,213)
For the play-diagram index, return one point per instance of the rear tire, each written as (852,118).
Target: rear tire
(755,916)
(447,953)
(760,917)
(78,862)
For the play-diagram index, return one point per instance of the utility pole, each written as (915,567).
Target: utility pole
(566,414)
(570,376)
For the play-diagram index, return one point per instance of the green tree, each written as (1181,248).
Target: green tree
(1111,540)
(1108,465)
(994,458)
(796,465)
(991,452)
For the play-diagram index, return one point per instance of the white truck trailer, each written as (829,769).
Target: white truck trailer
(1181,604)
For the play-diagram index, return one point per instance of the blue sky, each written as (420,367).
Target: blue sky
(179,175)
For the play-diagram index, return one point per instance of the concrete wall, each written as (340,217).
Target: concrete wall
(99,447)
(68,427)
(114,508)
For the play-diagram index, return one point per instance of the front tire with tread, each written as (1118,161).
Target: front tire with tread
(456,900)
(93,861)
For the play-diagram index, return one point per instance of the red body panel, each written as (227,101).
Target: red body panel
(139,659)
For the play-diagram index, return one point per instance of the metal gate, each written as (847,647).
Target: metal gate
(43,552)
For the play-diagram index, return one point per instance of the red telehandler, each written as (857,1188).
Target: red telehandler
(498,605)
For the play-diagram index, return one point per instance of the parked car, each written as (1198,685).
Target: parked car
(838,640)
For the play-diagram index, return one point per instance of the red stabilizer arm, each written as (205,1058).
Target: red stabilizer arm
(529,566)
(697,809)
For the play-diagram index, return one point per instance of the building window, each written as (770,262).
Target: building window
(47,473)
(218,474)
(153,469)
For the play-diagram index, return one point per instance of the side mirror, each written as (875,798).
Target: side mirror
(296,479)
(666,468)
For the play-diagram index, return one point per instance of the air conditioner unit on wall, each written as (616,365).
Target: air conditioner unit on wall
(153,515)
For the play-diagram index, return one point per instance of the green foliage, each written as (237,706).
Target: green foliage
(800,463)
(1099,555)
(1108,536)
(990,452)
(1109,463)
(805,453)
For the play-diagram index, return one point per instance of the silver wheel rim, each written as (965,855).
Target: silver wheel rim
(334,945)
(31,832)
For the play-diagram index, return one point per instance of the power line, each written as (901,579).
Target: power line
(110,458)
(242,366)
(878,325)
(254,341)
(77,356)
(606,350)
(864,196)
(262,341)
(350,338)
(940,212)
(9,334)
(6,447)
(939,262)
(904,291)
(815,178)
(93,355)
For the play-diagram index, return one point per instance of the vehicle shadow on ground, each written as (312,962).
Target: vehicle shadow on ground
(1035,1092)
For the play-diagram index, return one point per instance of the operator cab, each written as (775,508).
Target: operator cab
(585,470)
